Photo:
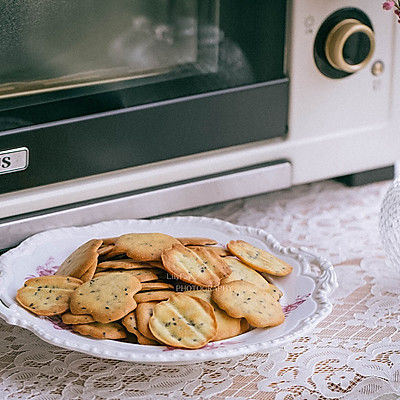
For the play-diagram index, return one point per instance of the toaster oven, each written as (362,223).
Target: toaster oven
(137,108)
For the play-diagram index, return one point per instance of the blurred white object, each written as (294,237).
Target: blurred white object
(389,224)
(149,45)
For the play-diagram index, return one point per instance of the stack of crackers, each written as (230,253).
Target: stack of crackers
(180,292)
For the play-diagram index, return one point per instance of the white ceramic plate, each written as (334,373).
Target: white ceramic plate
(305,300)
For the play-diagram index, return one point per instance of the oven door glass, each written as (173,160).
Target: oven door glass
(71,58)
(56,45)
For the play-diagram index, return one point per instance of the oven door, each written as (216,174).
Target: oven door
(98,86)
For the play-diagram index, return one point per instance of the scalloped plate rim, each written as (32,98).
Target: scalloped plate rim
(324,285)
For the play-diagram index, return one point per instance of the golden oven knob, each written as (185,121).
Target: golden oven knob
(350,45)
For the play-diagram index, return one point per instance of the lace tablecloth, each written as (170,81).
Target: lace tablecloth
(353,354)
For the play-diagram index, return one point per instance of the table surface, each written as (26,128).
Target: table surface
(353,354)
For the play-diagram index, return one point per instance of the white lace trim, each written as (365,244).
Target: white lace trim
(352,354)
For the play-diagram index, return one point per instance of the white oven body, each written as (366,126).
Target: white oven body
(335,127)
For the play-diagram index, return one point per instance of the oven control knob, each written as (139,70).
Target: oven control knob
(350,45)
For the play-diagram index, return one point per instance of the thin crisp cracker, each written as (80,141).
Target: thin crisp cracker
(106,298)
(196,241)
(103,250)
(130,324)
(100,330)
(77,263)
(44,301)
(157,295)
(143,275)
(143,246)
(241,299)
(54,282)
(125,263)
(156,286)
(143,313)
(88,275)
(213,262)
(186,265)
(47,295)
(183,321)
(217,250)
(259,259)
(72,319)
(227,326)
(242,272)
